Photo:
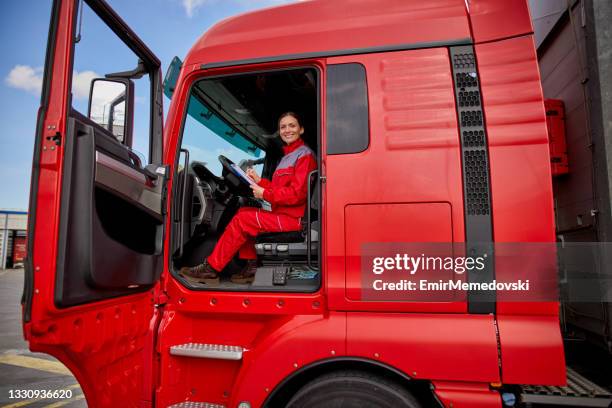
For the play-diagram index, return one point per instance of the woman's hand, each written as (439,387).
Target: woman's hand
(253,174)
(257,191)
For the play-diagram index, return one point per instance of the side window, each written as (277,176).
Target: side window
(348,129)
(109,83)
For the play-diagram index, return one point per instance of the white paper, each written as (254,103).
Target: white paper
(242,174)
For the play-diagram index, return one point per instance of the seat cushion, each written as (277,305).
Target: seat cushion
(280,237)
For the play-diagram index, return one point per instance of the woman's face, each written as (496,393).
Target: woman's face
(289,129)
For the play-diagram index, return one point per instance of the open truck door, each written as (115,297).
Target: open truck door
(96,217)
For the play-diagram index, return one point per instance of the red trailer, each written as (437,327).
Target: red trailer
(428,124)
(555,122)
(19,249)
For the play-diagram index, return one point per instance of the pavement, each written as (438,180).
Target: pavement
(24,374)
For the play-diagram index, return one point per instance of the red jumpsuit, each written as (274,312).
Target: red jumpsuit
(287,194)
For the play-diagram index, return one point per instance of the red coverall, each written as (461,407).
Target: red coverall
(287,194)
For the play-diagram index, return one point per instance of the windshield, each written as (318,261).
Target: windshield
(206,136)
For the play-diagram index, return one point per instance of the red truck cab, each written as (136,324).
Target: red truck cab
(428,124)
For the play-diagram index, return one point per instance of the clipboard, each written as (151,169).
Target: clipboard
(239,173)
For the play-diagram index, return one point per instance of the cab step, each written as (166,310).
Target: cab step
(579,392)
(202,350)
(195,404)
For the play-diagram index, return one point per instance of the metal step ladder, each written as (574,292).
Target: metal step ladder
(201,350)
(194,404)
(579,392)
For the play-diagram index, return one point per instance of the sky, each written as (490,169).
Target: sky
(168,27)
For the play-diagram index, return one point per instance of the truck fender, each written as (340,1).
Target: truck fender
(277,354)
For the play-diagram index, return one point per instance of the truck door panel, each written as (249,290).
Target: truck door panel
(94,232)
(410,171)
(107,233)
(391,223)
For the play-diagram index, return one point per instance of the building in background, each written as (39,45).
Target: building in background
(12,238)
(574,44)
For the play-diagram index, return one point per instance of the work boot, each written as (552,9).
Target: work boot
(202,273)
(247,274)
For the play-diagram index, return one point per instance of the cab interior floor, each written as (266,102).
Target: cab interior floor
(299,279)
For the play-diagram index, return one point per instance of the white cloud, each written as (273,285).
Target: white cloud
(191,5)
(30,79)
(26,78)
(81,81)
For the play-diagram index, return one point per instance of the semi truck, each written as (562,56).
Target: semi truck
(428,123)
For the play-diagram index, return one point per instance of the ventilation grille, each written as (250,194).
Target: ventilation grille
(474,138)
(471,118)
(476,181)
(469,98)
(465,79)
(473,135)
(464,60)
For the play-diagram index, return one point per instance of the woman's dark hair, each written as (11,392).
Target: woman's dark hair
(295,115)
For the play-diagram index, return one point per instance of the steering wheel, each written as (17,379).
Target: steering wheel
(227,167)
(235,183)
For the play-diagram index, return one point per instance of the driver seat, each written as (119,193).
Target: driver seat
(292,245)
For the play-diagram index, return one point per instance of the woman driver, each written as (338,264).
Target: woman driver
(286,192)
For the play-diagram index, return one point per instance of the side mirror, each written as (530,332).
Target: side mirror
(111,105)
(172,76)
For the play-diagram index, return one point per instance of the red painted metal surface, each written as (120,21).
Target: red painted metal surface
(555,123)
(498,19)
(277,330)
(466,395)
(518,149)
(106,349)
(286,347)
(106,344)
(413,126)
(49,182)
(391,223)
(269,340)
(427,346)
(531,350)
(321,25)
(520,182)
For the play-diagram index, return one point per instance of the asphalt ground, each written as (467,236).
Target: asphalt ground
(21,371)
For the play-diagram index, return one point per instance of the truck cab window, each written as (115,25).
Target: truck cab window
(348,129)
(110,86)
(232,125)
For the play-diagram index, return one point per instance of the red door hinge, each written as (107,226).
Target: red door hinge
(161,300)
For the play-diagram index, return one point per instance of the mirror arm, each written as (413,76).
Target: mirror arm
(136,73)
(154,171)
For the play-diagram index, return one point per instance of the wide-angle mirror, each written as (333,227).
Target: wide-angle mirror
(110,104)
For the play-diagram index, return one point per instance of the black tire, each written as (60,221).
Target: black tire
(352,389)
